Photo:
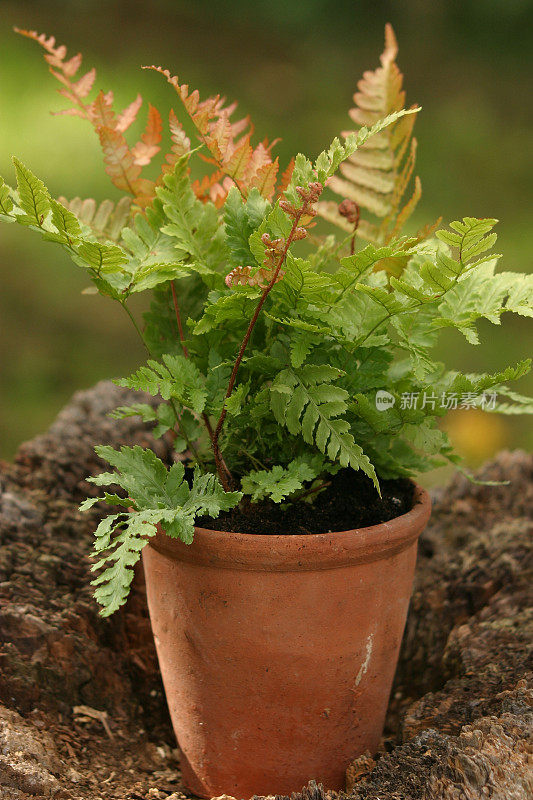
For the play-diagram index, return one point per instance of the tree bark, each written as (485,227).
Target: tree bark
(83,713)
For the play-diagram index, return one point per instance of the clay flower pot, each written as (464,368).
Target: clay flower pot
(278,652)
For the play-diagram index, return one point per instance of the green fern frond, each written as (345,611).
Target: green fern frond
(6,203)
(232,309)
(163,415)
(280,482)
(308,403)
(159,496)
(33,196)
(194,226)
(241,219)
(177,378)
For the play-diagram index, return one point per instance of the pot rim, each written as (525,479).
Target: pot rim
(287,552)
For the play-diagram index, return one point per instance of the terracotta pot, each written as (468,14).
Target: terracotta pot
(278,652)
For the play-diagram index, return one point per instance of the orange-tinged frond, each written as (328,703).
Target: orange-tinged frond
(286,177)
(69,112)
(217,137)
(179,138)
(202,187)
(129,115)
(83,86)
(71,66)
(408,208)
(219,192)
(241,125)
(119,161)
(63,70)
(213,188)
(123,164)
(378,174)
(148,147)
(181,144)
(236,164)
(48,42)
(228,142)
(122,169)
(101,112)
(265,179)
(259,157)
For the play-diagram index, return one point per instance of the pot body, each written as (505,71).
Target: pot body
(278,652)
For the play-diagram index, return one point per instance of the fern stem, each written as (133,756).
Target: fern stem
(244,344)
(253,459)
(312,490)
(354,234)
(190,445)
(178,320)
(132,318)
(205,418)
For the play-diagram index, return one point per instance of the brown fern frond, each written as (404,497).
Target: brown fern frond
(129,115)
(148,146)
(228,143)
(101,113)
(285,179)
(82,87)
(379,173)
(181,144)
(205,187)
(63,70)
(121,167)
(265,179)
(122,163)
(244,276)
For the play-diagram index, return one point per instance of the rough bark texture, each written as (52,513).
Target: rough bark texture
(82,713)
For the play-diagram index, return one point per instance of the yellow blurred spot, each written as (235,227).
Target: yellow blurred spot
(477,435)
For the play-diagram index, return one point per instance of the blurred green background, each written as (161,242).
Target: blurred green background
(293,67)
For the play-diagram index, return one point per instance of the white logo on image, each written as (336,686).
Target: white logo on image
(384,400)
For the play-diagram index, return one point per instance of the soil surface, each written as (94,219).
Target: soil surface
(349,501)
(82,711)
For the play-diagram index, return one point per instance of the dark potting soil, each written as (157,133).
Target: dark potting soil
(350,501)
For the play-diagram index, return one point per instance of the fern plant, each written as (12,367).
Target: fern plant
(270,346)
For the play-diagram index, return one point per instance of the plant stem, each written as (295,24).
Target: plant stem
(354,234)
(190,444)
(205,418)
(178,320)
(253,459)
(313,490)
(244,344)
(132,318)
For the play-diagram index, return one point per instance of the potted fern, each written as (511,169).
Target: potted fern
(294,373)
